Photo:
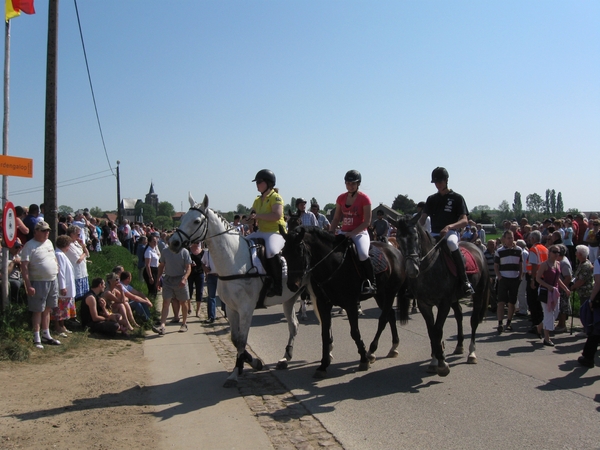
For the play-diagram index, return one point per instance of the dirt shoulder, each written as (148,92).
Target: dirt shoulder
(90,397)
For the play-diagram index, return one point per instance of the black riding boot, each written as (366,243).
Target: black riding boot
(274,270)
(368,286)
(457,257)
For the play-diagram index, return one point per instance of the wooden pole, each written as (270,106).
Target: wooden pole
(6,285)
(50,179)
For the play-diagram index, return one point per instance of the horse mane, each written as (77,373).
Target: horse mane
(224,221)
(318,232)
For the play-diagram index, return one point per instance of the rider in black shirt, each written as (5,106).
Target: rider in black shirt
(448,212)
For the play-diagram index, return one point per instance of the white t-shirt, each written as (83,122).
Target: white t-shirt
(42,260)
(153,254)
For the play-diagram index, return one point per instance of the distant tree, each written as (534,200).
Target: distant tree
(572,211)
(313,200)
(328,207)
(163,222)
(517,205)
(480,208)
(96,212)
(504,211)
(560,207)
(64,210)
(165,209)
(534,203)
(547,202)
(145,211)
(553,201)
(404,204)
(241,209)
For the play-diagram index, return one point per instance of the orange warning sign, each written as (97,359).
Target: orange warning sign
(15,166)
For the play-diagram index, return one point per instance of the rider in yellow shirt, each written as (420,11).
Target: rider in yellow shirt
(267,210)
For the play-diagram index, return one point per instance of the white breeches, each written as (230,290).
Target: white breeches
(274,242)
(362,242)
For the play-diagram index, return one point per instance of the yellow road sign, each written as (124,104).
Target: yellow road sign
(15,166)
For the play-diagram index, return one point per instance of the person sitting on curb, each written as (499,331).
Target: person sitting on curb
(94,314)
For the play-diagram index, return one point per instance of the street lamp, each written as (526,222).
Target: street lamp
(119,216)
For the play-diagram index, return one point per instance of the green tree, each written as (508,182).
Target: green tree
(547,202)
(64,210)
(553,201)
(328,207)
(560,207)
(517,205)
(145,211)
(504,211)
(96,212)
(404,204)
(534,203)
(163,222)
(241,209)
(165,209)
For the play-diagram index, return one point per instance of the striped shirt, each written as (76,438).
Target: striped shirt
(509,261)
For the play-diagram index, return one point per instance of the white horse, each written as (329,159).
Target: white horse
(239,284)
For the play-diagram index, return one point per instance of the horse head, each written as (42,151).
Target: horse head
(296,255)
(407,236)
(294,220)
(193,226)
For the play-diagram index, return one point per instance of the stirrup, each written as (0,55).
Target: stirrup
(468,289)
(368,288)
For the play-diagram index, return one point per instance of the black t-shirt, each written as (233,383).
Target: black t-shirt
(444,209)
(85,314)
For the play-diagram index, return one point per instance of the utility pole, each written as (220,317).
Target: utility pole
(119,215)
(50,179)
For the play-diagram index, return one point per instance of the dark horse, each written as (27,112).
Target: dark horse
(432,283)
(335,279)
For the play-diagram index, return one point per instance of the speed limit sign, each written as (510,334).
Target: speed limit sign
(9,224)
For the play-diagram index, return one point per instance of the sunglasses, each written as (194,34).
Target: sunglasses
(555,252)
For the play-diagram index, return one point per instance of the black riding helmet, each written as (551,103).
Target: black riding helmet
(439,174)
(265,175)
(353,176)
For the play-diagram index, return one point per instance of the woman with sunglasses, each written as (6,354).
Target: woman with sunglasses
(548,278)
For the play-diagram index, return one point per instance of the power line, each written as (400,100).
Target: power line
(91,86)
(62,184)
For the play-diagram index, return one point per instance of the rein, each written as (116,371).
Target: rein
(430,256)
(309,269)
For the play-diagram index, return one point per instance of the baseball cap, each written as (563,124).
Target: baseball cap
(43,226)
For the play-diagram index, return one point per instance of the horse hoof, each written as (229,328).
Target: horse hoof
(320,374)
(472,360)
(282,365)
(393,354)
(459,351)
(371,357)
(444,370)
(432,369)
(258,365)
(414,311)
(363,366)
(230,384)
(303,318)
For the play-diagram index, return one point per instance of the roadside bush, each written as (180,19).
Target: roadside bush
(15,333)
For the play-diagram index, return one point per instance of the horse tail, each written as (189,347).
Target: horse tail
(484,301)
(403,304)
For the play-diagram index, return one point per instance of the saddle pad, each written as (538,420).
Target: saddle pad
(470,263)
(380,262)
(259,265)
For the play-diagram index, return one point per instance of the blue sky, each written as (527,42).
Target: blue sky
(199,97)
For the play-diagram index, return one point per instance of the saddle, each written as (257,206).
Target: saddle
(470,263)
(380,262)
(258,256)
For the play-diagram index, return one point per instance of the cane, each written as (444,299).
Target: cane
(572,310)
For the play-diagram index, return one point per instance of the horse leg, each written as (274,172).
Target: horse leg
(326,339)
(458,315)
(442,368)
(234,320)
(288,312)
(355,333)
(383,319)
(239,337)
(393,353)
(472,358)
(427,313)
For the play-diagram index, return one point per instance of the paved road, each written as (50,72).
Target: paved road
(520,395)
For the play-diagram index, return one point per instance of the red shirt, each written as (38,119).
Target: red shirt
(352,216)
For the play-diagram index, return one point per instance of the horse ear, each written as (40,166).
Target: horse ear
(283,231)
(205,202)
(191,200)
(413,220)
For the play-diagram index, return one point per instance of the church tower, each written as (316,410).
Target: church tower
(152,198)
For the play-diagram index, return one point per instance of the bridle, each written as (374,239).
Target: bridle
(307,256)
(190,239)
